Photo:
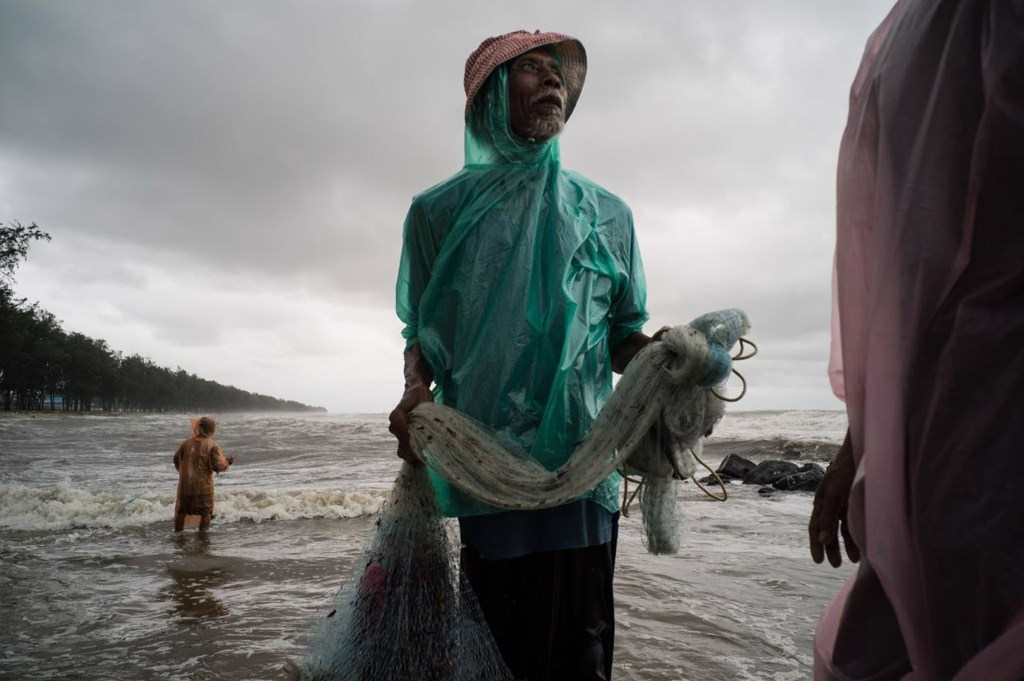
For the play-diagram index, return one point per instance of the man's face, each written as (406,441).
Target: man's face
(537,96)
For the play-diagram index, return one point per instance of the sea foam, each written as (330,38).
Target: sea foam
(65,506)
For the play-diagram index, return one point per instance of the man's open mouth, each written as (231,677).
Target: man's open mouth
(549,104)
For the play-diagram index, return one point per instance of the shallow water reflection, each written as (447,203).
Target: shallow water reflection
(194,573)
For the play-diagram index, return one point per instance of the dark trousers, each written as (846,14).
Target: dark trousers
(551,613)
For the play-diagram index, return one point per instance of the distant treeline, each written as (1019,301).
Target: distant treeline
(43,367)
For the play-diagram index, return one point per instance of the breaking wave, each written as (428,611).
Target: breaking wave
(65,506)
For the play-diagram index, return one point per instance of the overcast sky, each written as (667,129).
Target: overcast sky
(225,182)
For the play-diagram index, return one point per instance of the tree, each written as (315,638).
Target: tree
(40,363)
(15,322)
(15,240)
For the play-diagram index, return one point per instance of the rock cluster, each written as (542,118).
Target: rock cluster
(770,475)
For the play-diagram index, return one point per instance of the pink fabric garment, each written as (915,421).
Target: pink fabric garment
(928,348)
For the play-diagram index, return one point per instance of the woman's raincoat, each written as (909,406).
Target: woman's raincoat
(928,348)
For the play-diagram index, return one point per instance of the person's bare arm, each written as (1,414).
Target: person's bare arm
(177,457)
(218,461)
(828,517)
(418,378)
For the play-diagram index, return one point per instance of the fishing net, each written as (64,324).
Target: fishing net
(659,411)
(409,614)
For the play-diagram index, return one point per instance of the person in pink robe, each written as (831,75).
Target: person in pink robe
(928,353)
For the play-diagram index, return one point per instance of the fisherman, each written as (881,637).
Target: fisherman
(196,460)
(522,288)
(927,353)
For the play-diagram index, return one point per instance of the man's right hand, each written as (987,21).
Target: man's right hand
(399,419)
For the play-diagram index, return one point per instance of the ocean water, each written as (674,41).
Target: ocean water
(95,585)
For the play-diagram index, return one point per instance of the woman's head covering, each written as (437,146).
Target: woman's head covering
(203,426)
(497,50)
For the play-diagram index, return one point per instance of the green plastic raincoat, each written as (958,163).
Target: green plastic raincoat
(517,278)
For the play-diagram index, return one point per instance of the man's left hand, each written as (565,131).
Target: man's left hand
(624,352)
(828,517)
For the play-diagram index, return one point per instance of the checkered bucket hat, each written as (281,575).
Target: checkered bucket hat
(499,49)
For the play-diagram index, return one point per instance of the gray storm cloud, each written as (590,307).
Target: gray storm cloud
(256,159)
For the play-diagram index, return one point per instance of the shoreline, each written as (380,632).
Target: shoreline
(760,449)
(121,414)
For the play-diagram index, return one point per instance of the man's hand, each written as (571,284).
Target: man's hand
(418,378)
(624,352)
(399,418)
(828,517)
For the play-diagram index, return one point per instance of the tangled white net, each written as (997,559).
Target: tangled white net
(659,411)
(409,614)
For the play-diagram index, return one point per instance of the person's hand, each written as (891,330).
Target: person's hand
(660,332)
(399,419)
(231,459)
(828,517)
(630,347)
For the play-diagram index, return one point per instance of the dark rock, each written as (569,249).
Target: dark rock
(734,467)
(766,491)
(767,472)
(807,480)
